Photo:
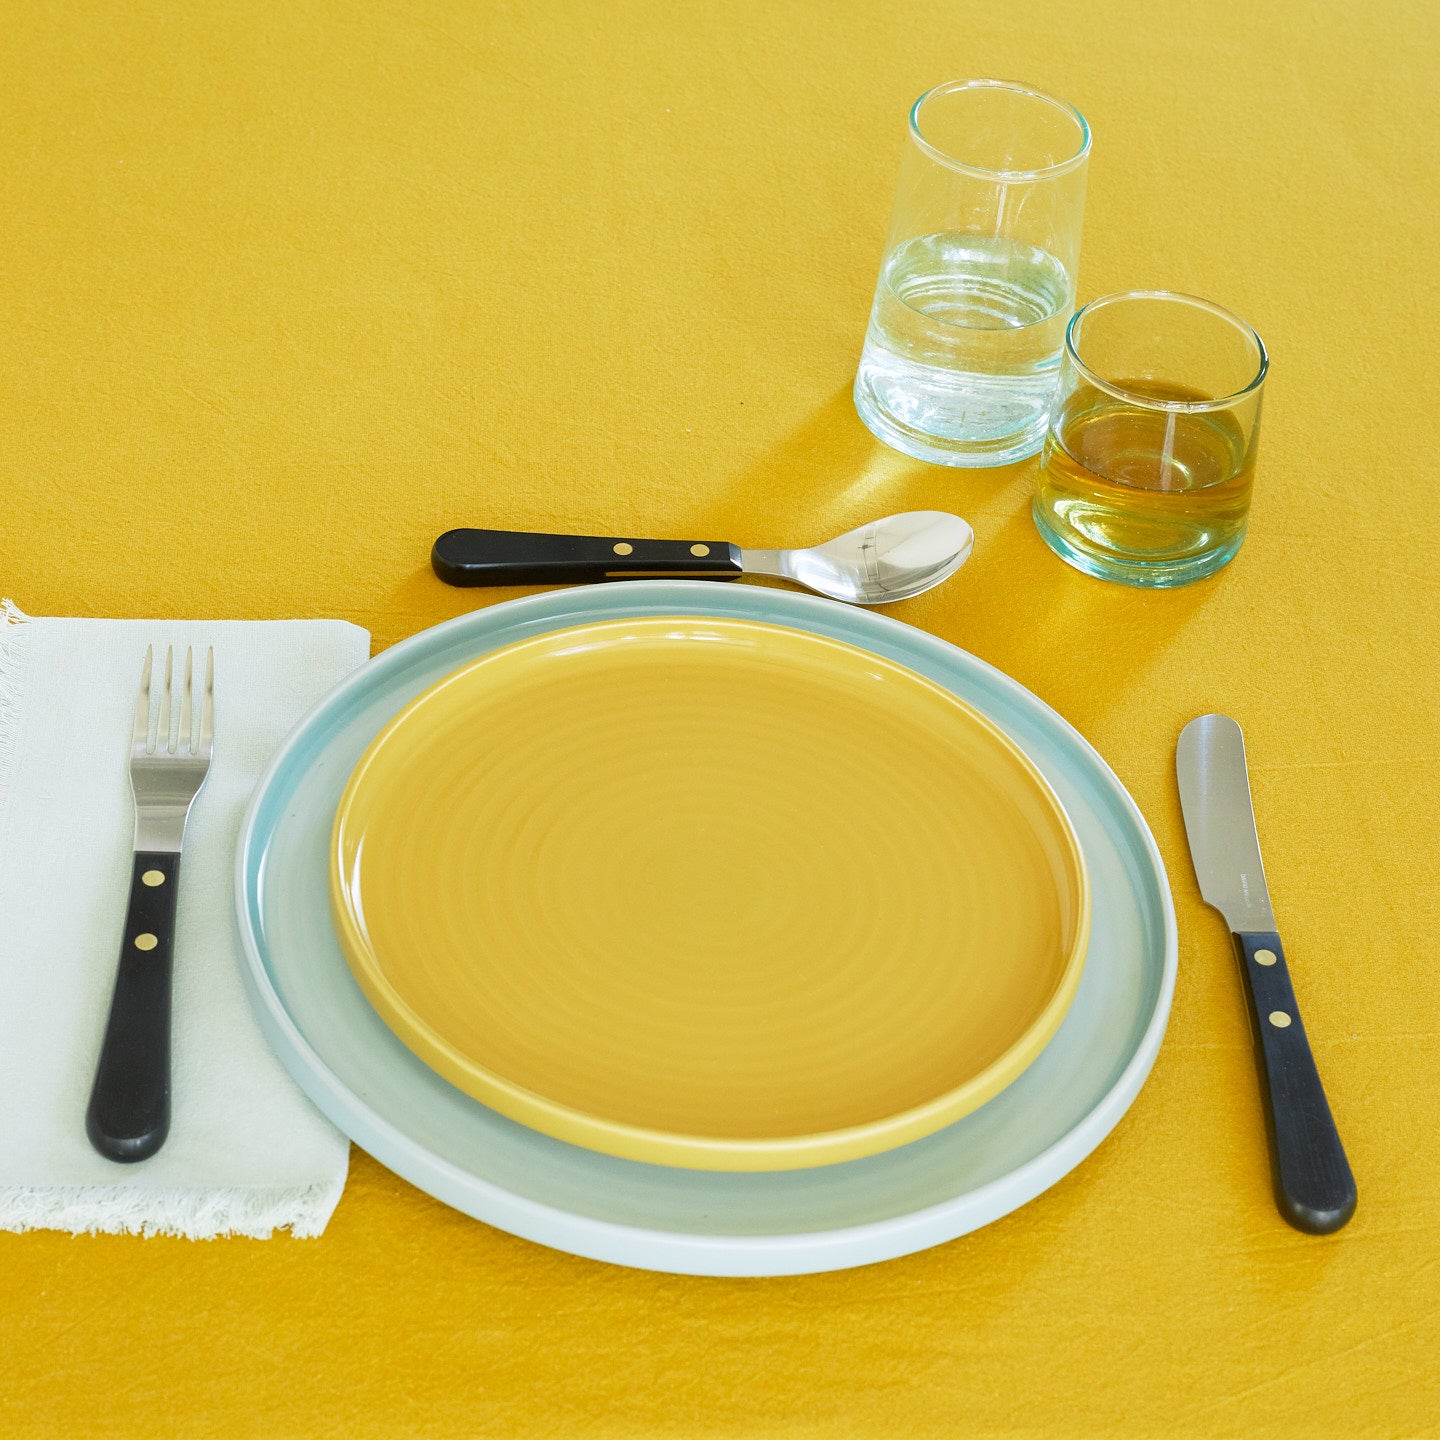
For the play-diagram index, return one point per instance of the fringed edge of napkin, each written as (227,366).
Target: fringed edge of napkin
(14,636)
(191,1214)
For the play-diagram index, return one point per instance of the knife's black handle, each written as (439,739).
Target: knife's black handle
(1313,1184)
(517,557)
(129,1114)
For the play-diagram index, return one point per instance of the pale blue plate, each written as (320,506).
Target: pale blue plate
(689,1221)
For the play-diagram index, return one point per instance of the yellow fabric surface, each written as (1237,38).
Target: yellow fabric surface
(287,289)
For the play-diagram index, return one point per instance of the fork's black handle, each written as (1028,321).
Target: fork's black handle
(1313,1183)
(129,1114)
(518,557)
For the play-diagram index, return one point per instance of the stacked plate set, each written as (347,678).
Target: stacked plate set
(719,930)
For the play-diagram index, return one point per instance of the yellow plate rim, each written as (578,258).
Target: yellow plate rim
(704,1152)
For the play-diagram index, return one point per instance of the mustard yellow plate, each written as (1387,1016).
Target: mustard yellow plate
(709,893)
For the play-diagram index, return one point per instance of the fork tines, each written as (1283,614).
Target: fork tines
(185,741)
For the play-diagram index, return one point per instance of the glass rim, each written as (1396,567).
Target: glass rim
(1150,402)
(1043,172)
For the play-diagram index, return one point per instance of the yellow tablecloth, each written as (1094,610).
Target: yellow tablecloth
(286,289)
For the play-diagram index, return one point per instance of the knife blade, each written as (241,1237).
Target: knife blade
(1314,1186)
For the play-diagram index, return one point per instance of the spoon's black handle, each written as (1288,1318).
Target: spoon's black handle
(517,557)
(1314,1187)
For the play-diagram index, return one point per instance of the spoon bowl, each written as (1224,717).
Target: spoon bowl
(877,563)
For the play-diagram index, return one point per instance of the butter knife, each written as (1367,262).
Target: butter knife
(1314,1187)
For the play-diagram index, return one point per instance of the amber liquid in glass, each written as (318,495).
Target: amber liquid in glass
(1144,490)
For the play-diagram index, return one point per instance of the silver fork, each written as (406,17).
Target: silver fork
(129,1113)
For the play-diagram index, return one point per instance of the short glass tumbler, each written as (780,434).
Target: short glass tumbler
(1150,454)
(978,277)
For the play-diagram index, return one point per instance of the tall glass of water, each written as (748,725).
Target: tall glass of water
(978,279)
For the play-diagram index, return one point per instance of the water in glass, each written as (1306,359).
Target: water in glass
(961,356)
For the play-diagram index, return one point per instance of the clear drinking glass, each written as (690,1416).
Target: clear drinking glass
(978,277)
(1150,456)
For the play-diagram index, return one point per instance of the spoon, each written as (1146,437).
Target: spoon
(874,564)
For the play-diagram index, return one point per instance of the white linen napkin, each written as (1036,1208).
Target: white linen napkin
(247,1152)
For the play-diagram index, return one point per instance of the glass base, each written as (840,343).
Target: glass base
(1157,574)
(941,449)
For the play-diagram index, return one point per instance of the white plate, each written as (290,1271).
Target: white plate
(660,1218)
